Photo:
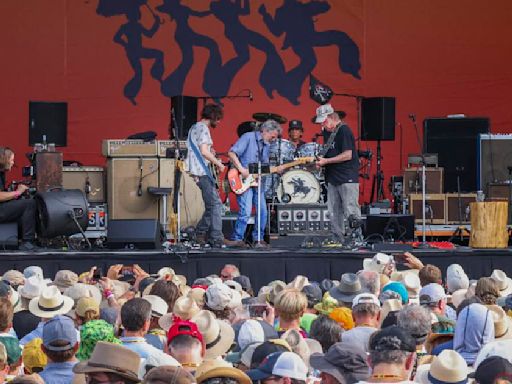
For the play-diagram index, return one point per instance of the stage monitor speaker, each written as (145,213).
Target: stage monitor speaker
(494,158)
(390,226)
(134,234)
(455,140)
(378,119)
(48,119)
(8,236)
(185,113)
(127,184)
(191,200)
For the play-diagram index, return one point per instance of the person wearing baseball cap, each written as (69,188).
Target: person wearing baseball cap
(433,297)
(186,344)
(287,365)
(341,163)
(366,315)
(295,132)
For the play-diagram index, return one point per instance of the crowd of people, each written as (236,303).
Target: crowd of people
(377,326)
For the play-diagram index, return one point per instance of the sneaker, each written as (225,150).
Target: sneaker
(217,244)
(28,246)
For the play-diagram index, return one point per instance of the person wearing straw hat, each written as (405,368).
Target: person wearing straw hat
(168,375)
(447,368)
(23,321)
(348,288)
(156,335)
(110,363)
(49,304)
(218,335)
(280,365)
(214,371)
(504,282)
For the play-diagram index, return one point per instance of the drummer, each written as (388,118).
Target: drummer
(295,132)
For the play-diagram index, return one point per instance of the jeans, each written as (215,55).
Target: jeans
(211,221)
(246,201)
(342,201)
(24,212)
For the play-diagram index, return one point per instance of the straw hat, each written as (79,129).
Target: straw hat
(184,307)
(501,347)
(388,306)
(502,323)
(218,335)
(458,297)
(158,305)
(504,282)
(113,358)
(448,367)
(218,368)
(65,279)
(32,288)
(80,290)
(197,294)
(377,263)
(51,303)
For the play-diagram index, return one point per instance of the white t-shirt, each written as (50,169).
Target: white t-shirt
(199,134)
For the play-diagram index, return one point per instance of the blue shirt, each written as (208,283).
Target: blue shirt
(249,146)
(58,373)
(38,333)
(148,353)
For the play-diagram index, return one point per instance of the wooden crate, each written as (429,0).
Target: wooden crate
(452,207)
(433,183)
(435,208)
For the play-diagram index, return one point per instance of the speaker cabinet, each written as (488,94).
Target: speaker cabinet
(185,113)
(455,140)
(47,119)
(413,180)
(378,119)
(190,198)
(90,180)
(48,170)
(435,208)
(495,155)
(127,185)
(136,234)
(452,207)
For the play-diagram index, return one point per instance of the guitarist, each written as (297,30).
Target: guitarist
(199,156)
(251,148)
(341,163)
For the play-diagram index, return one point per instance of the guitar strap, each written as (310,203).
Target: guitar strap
(200,157)
(328,145)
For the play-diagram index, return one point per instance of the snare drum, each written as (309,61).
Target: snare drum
(302,187)
(281,151)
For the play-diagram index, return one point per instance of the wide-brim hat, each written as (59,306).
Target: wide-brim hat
(32,288)
(229,372)
(458,297)
(218,335)
(112,358)
(502,323)
(377,263)
(448,367)
(348,288)
(51,303)
(299,282)
(504,282)
(79,290)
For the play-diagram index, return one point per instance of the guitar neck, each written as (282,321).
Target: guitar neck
(293,164)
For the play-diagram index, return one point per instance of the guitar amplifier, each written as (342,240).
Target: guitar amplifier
(302,218)
(413,179)
(452,207)
(129,148)
(167,148)
(90,180)
(435,208)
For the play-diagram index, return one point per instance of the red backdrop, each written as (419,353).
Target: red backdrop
(436,58)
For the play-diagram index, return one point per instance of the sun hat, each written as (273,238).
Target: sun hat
(283,364)
(158,305)
(51,303)
(298,282)
(343,316)
(390,306)
(65,279)
(59,328)
(32,288)
(244,281)
(91,333)
(322,112)
(14,277)
(412,284)
(345,362)
(502,323)
(219,297)
(250,332)
(112,358)
(313,294)
(184,308)
(33,356)
(501,347)
(87,304)
(166,374)
(399,288)
(218,335)
(448,368)
(184,327)
(456,278)
(377,263)
(33,270)
(504,282)
(491,369)
(198,295)
(165,271)
(247,353)
(79,290)
(219,369)
(349,287)
(458,297)
(327,304)
(234,285)
(431,294)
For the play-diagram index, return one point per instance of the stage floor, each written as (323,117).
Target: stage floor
(261,266)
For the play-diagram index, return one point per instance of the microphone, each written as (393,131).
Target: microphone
(412,116)
(87,186)
(250,95)
(139,188)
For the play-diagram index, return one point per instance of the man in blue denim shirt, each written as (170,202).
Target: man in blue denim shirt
(252,147)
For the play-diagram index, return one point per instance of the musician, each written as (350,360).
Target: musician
(12,208)
(209,228)
(295,132)
(341,164)
(251,148)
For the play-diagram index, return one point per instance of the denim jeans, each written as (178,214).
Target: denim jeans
(211,222)
(246,201)
(342,201)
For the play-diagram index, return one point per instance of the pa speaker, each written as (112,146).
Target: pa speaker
(378,119)
(133,234)
(455,140)
(47,119)
(185,114)
(495,156)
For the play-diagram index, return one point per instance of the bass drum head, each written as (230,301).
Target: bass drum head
(302,186)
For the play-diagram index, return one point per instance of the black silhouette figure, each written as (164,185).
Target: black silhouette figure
(300,187)
(229,12)
(129,36)
(187,39)
(295,19)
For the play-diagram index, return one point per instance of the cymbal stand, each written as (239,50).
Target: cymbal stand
(459,232)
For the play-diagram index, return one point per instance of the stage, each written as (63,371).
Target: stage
(261,266)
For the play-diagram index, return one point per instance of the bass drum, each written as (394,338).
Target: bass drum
(56,210)
(302,187)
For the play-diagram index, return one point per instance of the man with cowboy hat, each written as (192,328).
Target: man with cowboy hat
(110,363)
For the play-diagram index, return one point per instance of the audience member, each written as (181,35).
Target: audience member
(23,320)
(33,357)
(290,305)
(229,272)
(487,290)
(326,331)
(285,366)
(366,315)
(167,290)
(430,274)
(166,374)
(186,344)
(433,297)
(370,281)
(156,335)
(416,321)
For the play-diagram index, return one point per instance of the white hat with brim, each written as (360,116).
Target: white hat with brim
(51,303)
(377,263)
(448,367)
(501,347)
(502,323)
(322,112)
(32,288)
(504,282)
(218,335)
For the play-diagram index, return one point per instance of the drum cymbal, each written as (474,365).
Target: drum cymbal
(264,116)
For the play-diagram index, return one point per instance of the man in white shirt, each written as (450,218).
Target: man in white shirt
(366,315)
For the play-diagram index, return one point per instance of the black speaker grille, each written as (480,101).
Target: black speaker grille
(378,119)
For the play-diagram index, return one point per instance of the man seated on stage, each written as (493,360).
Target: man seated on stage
(251,148)
(295,132)
(12,208)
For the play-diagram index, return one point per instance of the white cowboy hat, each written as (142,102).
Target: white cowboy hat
(377,263)
(185,308)
(504,282)
(158,305)
(218,335)
(51,303)
(502,323)
(448,367)
(32,288)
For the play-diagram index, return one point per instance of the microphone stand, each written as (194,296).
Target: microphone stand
(358,109)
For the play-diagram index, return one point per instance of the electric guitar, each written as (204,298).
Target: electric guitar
(239,184)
